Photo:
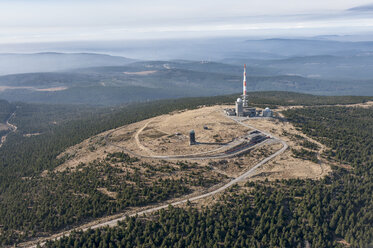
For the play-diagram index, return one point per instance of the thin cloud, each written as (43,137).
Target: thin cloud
(364,8)
(45,21)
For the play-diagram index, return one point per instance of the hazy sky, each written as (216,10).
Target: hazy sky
(59,20)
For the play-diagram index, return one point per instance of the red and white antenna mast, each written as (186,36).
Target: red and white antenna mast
(244,96)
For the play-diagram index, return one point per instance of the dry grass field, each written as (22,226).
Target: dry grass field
(3,127)
(286,166)
(169,135)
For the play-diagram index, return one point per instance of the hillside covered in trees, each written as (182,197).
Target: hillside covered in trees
(29,204)
(288,213)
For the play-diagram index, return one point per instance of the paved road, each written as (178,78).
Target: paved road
(245,175)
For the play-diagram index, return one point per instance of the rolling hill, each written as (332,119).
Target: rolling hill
(51,62)
(348,67)
(152,80)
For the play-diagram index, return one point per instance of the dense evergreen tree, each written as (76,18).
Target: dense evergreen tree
(288,213)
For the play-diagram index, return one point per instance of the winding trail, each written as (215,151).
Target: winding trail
(12,128)
(147,150)
(193,156)
(137,139)
(114,222)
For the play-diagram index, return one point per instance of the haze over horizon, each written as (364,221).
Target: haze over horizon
(54,21)
(292,45)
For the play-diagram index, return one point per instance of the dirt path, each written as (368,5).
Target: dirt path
(137,139)
(194,156)
(152,155)
(12,128)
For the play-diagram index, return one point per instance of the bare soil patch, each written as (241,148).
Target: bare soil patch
(169,134)
(51,89)
(140,72)
(28,135)
(286,166)
(108,193)
(3,127)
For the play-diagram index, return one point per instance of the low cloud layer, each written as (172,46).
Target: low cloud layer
(46,21)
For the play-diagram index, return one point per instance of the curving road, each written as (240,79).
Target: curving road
(12,128)
(114,222)
(194,156)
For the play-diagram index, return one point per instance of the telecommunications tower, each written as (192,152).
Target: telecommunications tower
(245,100)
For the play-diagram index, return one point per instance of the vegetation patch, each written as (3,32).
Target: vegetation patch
(305,154)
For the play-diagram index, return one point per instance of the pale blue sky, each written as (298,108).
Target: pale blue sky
(52,20)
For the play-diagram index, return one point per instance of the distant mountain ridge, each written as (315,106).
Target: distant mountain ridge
(330,67)
(315,66)
(12,63)
(151,80)
(306,47)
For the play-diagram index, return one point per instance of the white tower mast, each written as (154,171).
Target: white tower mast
(245,101)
